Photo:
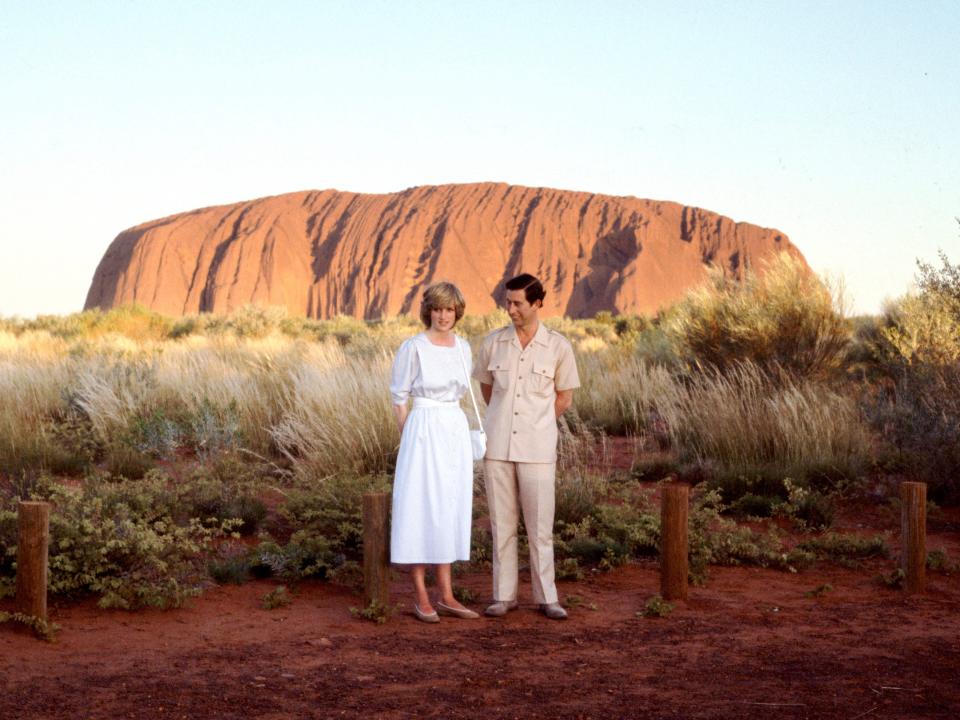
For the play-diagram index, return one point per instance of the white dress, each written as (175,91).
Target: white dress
(433,484)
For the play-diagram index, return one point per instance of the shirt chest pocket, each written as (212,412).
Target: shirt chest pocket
(500,370)
(541,380)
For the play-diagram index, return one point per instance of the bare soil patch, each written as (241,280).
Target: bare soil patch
(748,644)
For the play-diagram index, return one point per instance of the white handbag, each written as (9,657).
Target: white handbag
(478,438)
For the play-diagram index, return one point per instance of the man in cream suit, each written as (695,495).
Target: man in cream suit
(527,376)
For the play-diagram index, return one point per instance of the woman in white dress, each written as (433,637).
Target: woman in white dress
(433,484)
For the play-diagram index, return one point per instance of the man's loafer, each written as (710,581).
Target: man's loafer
(553,611)
(501,608)
(462,613)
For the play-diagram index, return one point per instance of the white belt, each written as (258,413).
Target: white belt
(429,402)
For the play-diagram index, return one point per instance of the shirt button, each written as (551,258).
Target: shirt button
(516,413)
(514,432)
(520,378)
(521,359)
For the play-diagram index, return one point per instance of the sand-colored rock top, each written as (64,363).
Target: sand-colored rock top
(327,253)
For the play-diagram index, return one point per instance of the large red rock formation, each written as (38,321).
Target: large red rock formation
(327,253)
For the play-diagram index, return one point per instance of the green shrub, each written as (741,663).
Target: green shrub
(939,561)
(919,416)
(715,540)
(276,598)
(75,444)
(121,541)
(845,550)
(374,612)
(481,545)
(656,607)
(40,627)
(215,501)
(230,564)
(569,569)
(809,507)
(782,317)
(154,433)
(924,327)
(621,527)
(270,559)
(920,422)
(215,430)
(654,469)
(122,461)
(8,551)
(326,520)
(751,505)
(819,591)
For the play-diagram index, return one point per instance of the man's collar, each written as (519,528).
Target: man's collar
(539,337)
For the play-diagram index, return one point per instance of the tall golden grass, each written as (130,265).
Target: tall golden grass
(744,422)
(314,393)
(325,406)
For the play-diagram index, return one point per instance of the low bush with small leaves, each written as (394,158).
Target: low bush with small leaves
(656,607)
(230,564)
(819,591)
(276,598)
(43,629)
(325,518)
(127,543)
(569,569)
(846,550)
(939,561)
(374,612)
(716,540)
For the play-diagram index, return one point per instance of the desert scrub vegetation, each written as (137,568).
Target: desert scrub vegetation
(783,317)
(130,544)
(916,405)
(162,440)
(752,431)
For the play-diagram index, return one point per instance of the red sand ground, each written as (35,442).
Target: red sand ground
(748,644)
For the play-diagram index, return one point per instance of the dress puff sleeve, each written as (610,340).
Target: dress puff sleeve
(404,372)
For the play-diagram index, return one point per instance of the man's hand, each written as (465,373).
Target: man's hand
(487,392)
(563,402)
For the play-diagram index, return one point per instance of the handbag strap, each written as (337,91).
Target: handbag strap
(463,362)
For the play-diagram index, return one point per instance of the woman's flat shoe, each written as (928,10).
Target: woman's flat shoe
(425,617)
(462,613)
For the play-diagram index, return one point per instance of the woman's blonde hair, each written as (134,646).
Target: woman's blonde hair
(441,295)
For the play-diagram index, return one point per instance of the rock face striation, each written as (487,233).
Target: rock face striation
(327,253)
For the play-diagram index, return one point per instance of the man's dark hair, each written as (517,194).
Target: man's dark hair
(532,287)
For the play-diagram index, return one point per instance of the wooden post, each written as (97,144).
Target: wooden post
(33,540)
(376,542)
(673,541)
(913,535)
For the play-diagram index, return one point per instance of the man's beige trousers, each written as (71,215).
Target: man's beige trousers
(510,486)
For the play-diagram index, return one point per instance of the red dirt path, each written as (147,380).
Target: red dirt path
(749,644)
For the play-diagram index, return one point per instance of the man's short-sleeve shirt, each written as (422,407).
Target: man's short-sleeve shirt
(521,421)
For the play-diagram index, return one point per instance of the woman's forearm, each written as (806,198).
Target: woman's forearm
(400,413)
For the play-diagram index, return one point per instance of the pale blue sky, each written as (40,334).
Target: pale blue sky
(836,122)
